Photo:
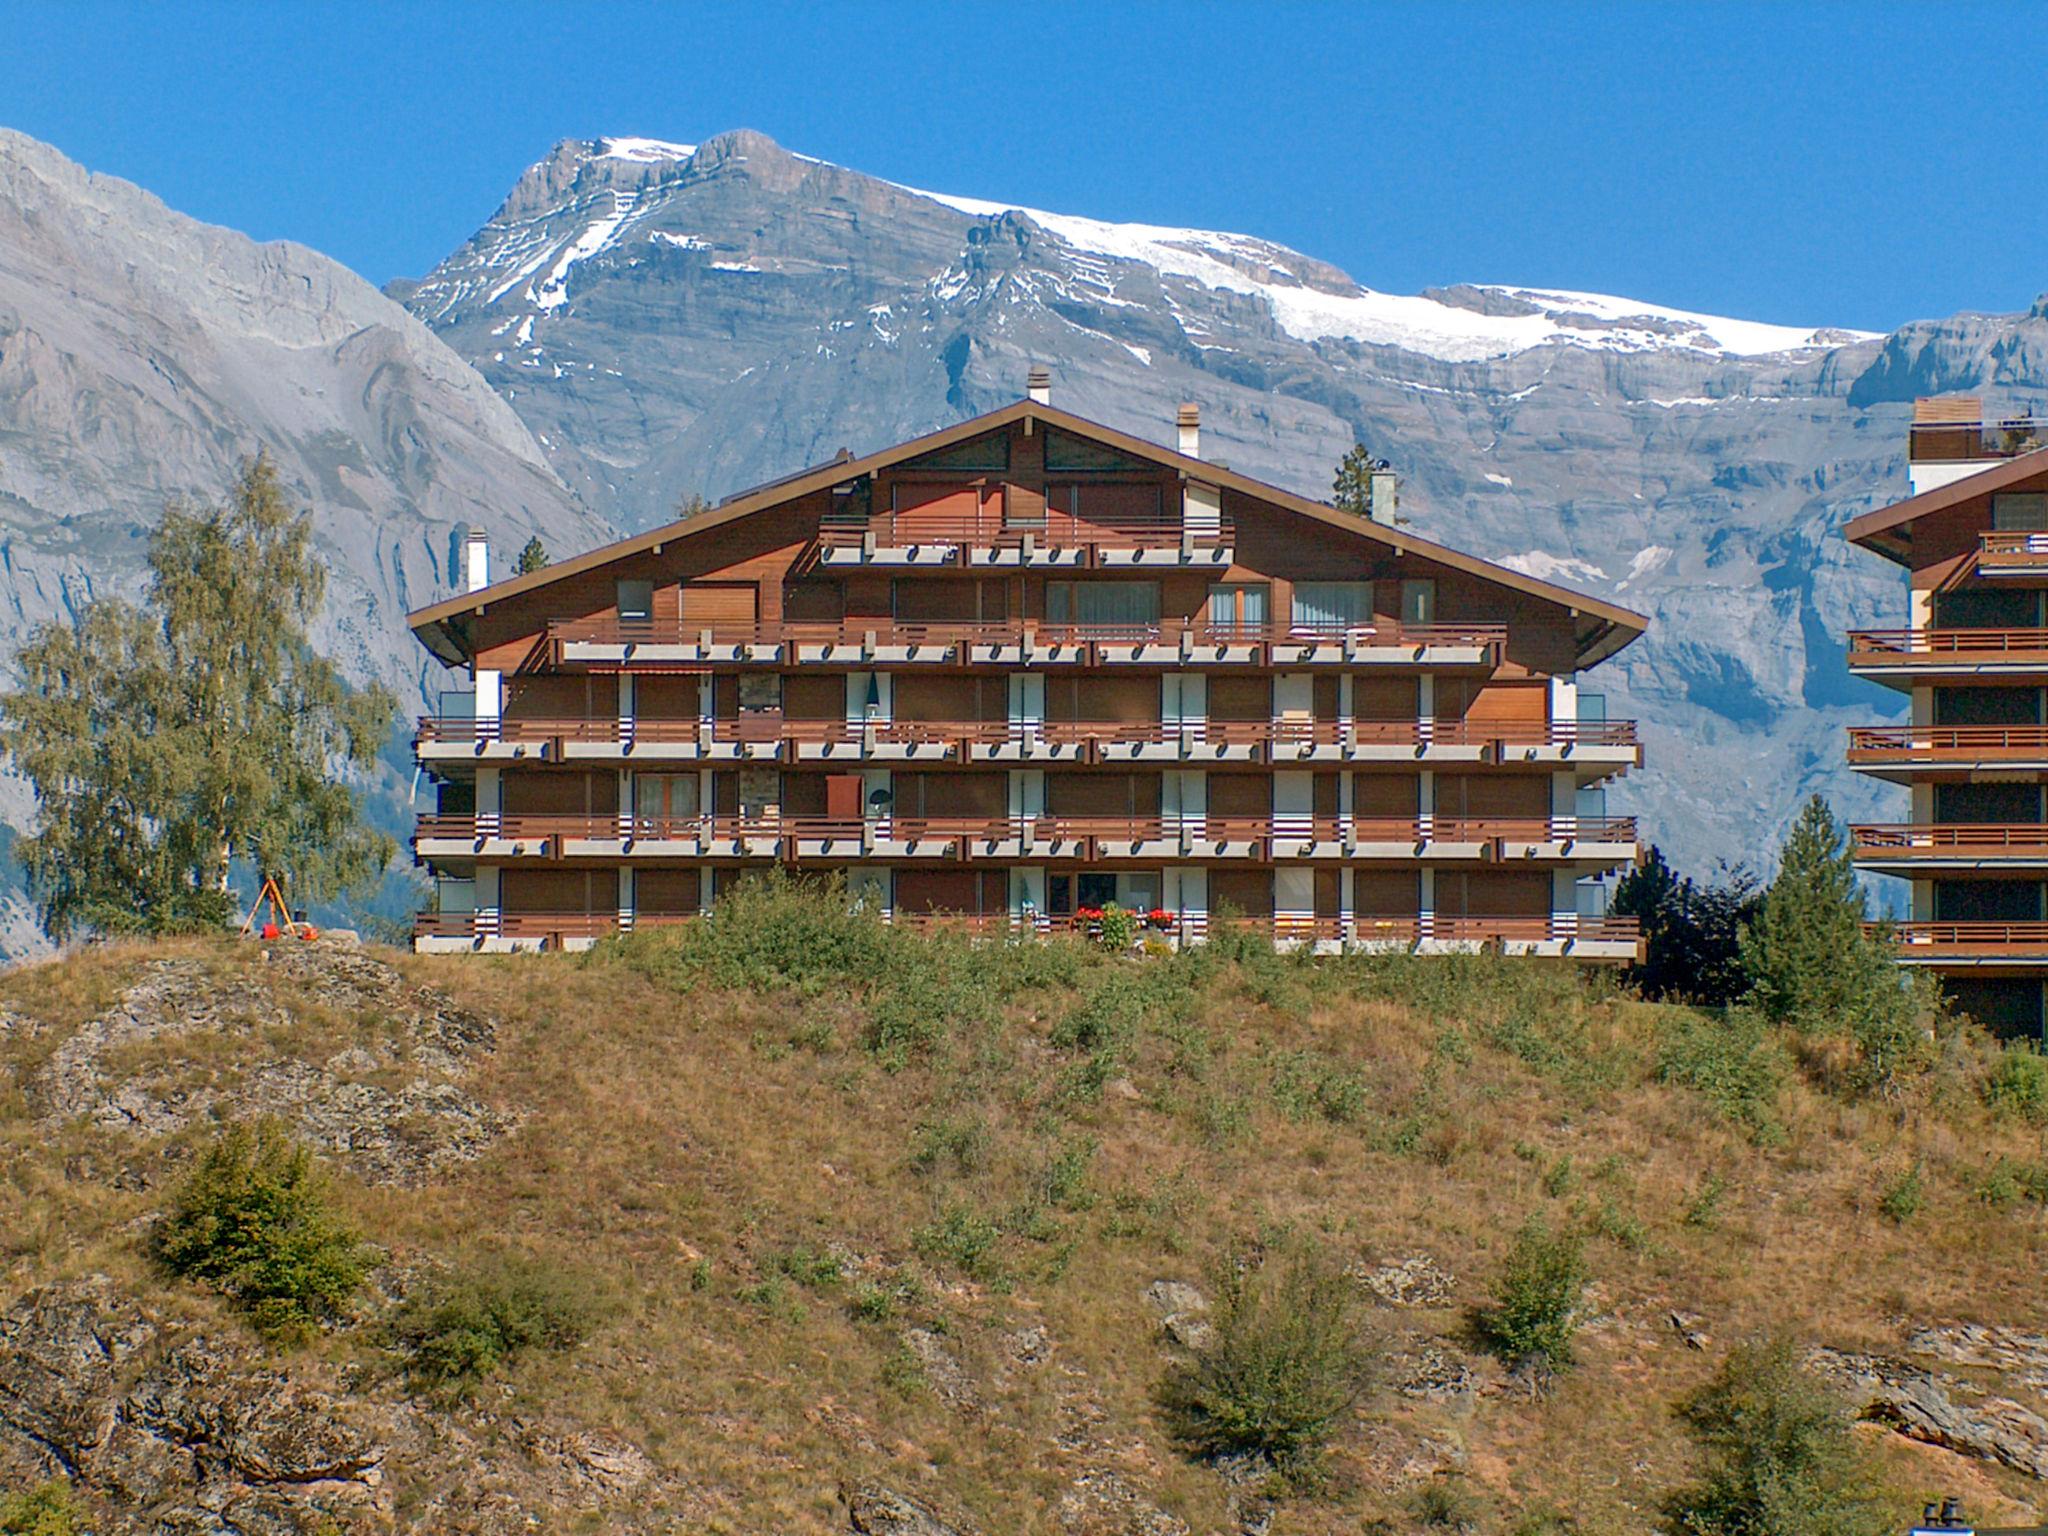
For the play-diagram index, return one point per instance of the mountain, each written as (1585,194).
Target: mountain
(142,353)
(673,319)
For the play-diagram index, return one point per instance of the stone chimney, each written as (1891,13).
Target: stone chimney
(476,561)
(1038,386)
(1381,495)
(1190,423)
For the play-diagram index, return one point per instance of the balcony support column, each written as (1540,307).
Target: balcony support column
(1923,705)
(626,905)
(1425,900)
(489,701)
(628,704)
(489,908)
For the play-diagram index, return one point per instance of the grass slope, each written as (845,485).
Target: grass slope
(826,1179)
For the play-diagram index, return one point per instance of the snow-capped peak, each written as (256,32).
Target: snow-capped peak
(1316,309)
(644,151)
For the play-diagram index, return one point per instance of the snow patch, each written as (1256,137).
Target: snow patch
(1549,567)
(680,242)
(1500,479)
(553,290)
(1142,354)
(644,151)
(1651,557)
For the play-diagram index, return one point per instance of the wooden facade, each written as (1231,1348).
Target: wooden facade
(1016,670)
(1973,753)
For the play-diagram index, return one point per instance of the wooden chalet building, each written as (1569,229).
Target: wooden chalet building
(1013,671)
(1973,660)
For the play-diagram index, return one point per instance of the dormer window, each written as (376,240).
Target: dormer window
(636,602)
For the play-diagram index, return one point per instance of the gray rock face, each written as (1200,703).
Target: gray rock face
(671,321)
(1940,1409)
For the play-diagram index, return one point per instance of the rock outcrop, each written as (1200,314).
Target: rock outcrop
(1939,1409)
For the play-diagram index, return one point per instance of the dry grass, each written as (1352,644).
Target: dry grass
(691,1153)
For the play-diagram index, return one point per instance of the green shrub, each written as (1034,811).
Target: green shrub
(49,1509)
(458,1329)
(2018,1084)
(964,1238)
(1064,1184)
(1309,1083)
(1444,1503)
(252,1219)
(1902,1197)
(1118,930)
(1285,1364)
(2006,1182)
(1542,1287)
(1705,1211)
(1732,1062)
(961,1145)
(1781,1459)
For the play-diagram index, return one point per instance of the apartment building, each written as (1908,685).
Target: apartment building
(1014,671)
(1973,754)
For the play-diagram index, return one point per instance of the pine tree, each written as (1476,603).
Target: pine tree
(1808,960)
(534,557)
(1351,490)
(168,743)
(1692,933)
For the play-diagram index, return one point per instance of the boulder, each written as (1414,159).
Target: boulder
(873,1510)
(1939,1409)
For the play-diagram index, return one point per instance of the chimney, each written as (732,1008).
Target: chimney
(1038,386)
(1381,494)
(476,561)
(1190,424)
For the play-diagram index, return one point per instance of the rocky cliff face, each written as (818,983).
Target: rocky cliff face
(143,353)
(672,319)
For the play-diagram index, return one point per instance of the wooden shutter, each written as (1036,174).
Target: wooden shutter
(719,605)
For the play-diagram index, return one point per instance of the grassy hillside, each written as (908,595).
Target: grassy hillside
(842,1207)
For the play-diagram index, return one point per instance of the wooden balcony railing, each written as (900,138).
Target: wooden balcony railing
(1950,840)
(992,530)
(2022,942)
(1362,930)
(1077,836)
(954,641)
(768,726)
(1939,745)
(2009,550)
(1935,648)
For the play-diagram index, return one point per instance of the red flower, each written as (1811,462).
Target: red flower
(1159,917)
(1088,914)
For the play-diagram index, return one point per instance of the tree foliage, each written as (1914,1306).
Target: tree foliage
(1692,933)
(1351,489)
(253,1220)
(1284,1364)
(1542,1292)
(167,742)
(1780,1457)
(534,557)
(1812,964)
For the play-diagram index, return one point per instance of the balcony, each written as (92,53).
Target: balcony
(1962,442)
(1934,848)
(1972,945)
(1904,752)
(2012,554)
(1604,746)
(1056,541)
(1598,842)
(1904,657)
(651,645)
(1602,939)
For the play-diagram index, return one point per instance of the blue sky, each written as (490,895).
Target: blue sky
(1854,165)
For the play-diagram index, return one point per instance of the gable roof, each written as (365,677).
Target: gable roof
(1878,531)
(1612,626)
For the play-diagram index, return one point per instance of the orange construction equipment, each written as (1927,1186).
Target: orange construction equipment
(280,921)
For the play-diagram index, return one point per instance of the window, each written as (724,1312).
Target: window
(1418,602)
(1133,603)
(636,601)
(2026,511)
(1239,607)
(664,796)
(1332,605)
(760,691)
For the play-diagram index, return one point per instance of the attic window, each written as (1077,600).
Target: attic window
(1063,450)
(636,601)
(989,453)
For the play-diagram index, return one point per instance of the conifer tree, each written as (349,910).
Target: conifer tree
(166,744)
(1805,951)
(534,557)
(1351,490)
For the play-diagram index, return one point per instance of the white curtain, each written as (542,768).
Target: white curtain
(1332,604)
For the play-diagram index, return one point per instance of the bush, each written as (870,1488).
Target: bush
(46,1510)
(1902,1197)
(1118,930)
(252,1219)
(963,1237)
(1780,1456)
(2018,1085)
(1284,1366)
(1732,1062)
(460,1328)
(1542,1287)
(1692,933)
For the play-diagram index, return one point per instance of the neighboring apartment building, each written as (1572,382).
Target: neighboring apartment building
(1014,671)
(1974,662)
